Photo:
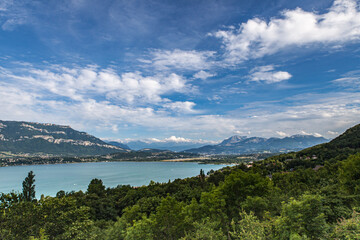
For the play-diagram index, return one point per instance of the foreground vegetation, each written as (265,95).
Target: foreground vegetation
(312,194)
(233,203)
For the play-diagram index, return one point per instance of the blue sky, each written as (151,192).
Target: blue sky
(182,69)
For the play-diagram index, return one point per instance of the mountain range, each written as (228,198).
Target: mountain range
(247,145)
(30,138)
(38,139)
(176,146)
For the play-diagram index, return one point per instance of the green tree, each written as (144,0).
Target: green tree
(101,205)
(202,175)
(60,215)
(97,187)
(350,174)
(303,218)
(249,227)
(29,187)
(239,185)
(142,229)
(81,230)
(205,230)
(348,229)
(169,219)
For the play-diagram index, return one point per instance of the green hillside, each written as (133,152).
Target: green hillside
(337,149)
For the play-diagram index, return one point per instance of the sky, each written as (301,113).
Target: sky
(186,69)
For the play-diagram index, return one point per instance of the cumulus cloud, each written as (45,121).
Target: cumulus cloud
(81,83)
(268,75)
(203,75)
(324,114)
(180,59)
(257,38)
(170,139)
(281,134)
(177,139)
(91,98)
(181,107)
(302,132)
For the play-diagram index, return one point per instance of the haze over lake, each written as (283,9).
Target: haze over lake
(76,176)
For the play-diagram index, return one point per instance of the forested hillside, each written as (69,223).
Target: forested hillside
(313,195)
(338,149)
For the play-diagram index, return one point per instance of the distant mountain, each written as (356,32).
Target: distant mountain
(232,140)
(118,144)
(173,144)
(152,150)
(29,138)
(245,145)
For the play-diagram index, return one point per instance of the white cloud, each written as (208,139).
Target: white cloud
(268,75)
(257,38)
(302,132)
(136,87)
(281,134)
(203,75)
(332,112)
(180,59)
(91,97)
(215,98)
(170,139)
(82,83)
(187,140)
(350,79)
(181,107)
(177,139)
(12,14)
(317,134)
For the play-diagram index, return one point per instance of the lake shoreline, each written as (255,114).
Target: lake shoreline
(51,178)
(200,160)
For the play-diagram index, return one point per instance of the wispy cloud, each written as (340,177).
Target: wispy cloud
(13,13)
(181,60)
(349,80)
(257,38)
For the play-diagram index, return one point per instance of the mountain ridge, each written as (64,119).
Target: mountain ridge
(341,147)
(20,137)
(246,145)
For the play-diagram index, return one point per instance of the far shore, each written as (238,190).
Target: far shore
(198,159)
(184,159)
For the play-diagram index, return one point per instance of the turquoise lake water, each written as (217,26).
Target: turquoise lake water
(49,179)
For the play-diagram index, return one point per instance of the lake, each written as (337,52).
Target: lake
(49,179)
